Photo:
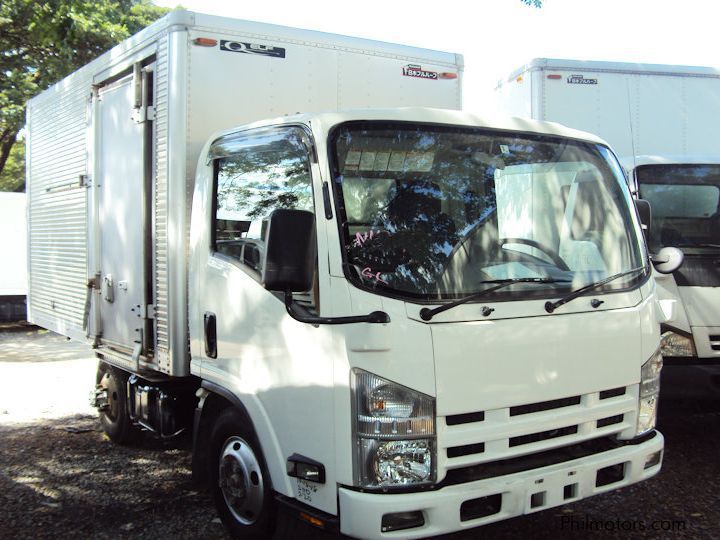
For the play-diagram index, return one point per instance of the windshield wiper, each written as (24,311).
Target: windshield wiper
(552,306)
(426,313)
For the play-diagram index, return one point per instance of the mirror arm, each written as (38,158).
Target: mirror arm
(374,317)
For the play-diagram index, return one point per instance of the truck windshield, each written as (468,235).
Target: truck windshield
(684,201)
(429,212)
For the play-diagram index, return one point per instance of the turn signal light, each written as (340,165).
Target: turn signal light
(205,42)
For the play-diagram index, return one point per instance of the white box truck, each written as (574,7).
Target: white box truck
(662,121)
(387,323)
(13,247)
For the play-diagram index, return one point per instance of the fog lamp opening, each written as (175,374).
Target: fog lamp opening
(653,459)
(399,521)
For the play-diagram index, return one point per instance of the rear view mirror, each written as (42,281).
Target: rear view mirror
(667,260)
(290,251)
(645,213)
(290,254)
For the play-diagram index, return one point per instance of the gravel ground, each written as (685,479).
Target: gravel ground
(61,477)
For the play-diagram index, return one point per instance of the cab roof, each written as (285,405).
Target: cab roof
(422,115)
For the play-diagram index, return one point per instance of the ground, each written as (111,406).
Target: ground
(61,477)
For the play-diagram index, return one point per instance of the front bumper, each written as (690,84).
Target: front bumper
(520,493)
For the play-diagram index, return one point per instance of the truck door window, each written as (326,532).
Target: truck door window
(259,176)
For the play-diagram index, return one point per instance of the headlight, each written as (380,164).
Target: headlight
(394,433)
(672,344)
(649,391)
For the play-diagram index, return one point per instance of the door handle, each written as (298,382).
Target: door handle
(210,325)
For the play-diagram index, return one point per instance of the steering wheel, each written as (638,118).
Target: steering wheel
(554,257)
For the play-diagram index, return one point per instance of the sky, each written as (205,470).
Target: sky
(498,36)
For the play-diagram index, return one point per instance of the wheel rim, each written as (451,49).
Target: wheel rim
(240,480)
(110,384)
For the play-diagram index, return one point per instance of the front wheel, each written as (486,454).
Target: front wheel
(239,480)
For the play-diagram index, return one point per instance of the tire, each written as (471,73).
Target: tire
(239,481)
(115,418)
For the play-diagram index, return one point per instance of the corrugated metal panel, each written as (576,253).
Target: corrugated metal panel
(161,207)
(57,206)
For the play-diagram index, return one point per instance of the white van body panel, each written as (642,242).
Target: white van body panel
(13,244)
(626,104)
(252,71)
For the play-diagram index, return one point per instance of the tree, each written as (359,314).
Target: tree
(12,178)
(533,3)
(42,42)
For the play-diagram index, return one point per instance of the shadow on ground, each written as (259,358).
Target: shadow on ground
(61,478)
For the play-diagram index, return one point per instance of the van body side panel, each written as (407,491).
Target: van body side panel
(583,105)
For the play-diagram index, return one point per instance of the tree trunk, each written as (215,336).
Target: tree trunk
(7,140)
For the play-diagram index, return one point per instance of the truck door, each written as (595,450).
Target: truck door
(123,146)
(254,175)
(242,337)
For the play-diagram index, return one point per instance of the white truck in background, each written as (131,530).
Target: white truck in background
(389,323)
(662,120)
(13,250)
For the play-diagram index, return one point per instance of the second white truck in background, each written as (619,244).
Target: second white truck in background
(663,122)
(13,257)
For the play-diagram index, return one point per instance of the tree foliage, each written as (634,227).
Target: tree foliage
(12,177)
(42,42)
(533,3)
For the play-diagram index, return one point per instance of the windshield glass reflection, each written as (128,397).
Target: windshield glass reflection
(435,213)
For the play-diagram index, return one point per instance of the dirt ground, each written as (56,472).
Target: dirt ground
(60,477)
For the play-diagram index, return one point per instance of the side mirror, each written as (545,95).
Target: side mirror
(644,212)
(290,254)
(290,251)
(667,260)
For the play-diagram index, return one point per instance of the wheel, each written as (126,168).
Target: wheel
(239,480)
(554,257)
(114,416)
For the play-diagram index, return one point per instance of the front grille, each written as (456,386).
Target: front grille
(610,420)
(564,454)
(468,418)
(614,392)
(496,435)
(466,450)
(544,406)
(543,436)
(714,342)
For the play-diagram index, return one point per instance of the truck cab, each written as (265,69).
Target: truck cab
(417,321)
(684,194)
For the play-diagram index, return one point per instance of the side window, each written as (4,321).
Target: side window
(254,176)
